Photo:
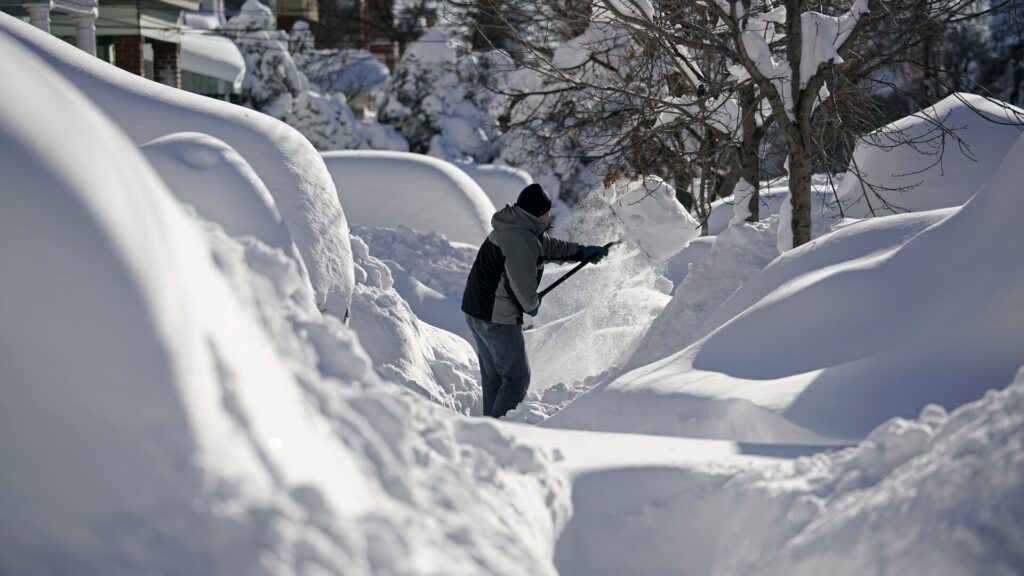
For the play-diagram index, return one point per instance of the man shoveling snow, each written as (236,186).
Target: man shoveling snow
(502,285)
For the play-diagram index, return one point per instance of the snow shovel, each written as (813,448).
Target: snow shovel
(575,269)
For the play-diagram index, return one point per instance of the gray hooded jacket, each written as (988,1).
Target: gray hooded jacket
(506,274)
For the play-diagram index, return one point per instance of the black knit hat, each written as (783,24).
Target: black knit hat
(534,200)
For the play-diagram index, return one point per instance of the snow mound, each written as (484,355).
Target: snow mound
(170,404)
(738,253)
(438,365)
(502,184)
(163,398)
(429,272)
(349,71)
(209,175)
(937,494)
(942,494)
(855,327)
(912,165)
(288,165)
(389,189)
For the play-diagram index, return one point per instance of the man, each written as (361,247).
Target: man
(502,285)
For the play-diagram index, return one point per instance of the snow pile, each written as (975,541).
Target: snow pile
(213,178)
(942,494)
(936,158)
(183,377)
(847,331)
(431,362)
(429,272)
(937,494)
(289,167)
(651,215)
(741,251)
(212,55)
(388,189)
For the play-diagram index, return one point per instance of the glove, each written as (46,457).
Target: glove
(594,254)
(534,311)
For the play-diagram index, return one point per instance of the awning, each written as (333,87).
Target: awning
(210,54)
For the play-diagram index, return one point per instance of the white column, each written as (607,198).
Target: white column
(85,31)
(39,14)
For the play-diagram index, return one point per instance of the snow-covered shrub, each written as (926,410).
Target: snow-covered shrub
(275,84)
(434,107)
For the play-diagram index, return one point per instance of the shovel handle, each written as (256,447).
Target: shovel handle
(575,269)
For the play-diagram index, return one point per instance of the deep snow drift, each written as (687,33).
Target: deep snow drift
(903,329)
(181,377)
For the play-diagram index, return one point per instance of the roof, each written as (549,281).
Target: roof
(210,54)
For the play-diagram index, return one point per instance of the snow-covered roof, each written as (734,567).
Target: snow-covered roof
(210,54)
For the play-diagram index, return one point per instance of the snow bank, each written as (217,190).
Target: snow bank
(502,184)
(430,362)
(937,494)
(172,404)
(388,189)
(738,253)
(285,161)
(849,330)
(160,398)
(914,165)
(429,272)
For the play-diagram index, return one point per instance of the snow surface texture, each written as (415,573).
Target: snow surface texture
(940,334)
(936,158)
(289,167)
(389,189)
(427,360)
(428,271)
(738,253)
(937,494)
(218,422)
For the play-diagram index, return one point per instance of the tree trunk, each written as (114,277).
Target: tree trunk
(800,172)
(749,156)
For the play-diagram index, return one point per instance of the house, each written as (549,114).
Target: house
(144,37)
(73,20)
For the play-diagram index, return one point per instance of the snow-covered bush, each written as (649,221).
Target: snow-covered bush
(275,84)
(432,104)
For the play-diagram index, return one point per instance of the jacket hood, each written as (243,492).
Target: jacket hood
(511,217)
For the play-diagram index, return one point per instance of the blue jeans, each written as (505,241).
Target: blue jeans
(504,370)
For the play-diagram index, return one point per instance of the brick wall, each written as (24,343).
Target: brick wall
(128,53)
(167,63)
